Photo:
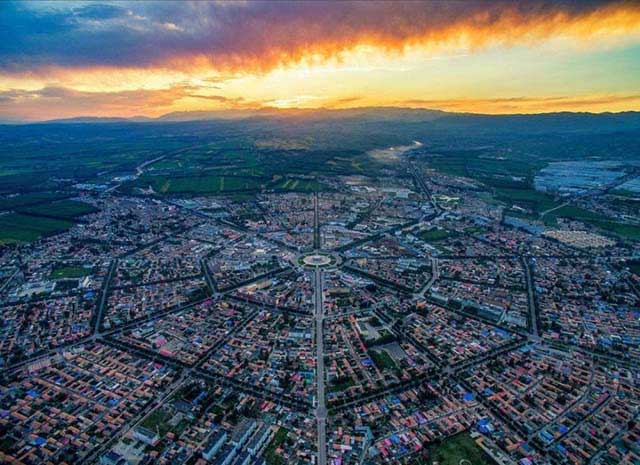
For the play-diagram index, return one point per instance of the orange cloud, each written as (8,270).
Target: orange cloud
(61,102)
(257,37)
(260,43)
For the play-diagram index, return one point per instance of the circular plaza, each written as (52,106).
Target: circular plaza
(318,259)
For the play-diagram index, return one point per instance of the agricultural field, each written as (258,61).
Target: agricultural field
(626,231)
(19,228)
(526,198)
(200,184)
(570,212)
(65,209)
(298,185)
(25,200)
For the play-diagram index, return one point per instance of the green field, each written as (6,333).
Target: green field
(382,359)
(434,235)
(340,384)
(18,228)
(457,448)
(526,198)
(25,200)
(201,184)
(65,209)
(70,272)
(570,212)
(223,184)
(158,421)
(626,231)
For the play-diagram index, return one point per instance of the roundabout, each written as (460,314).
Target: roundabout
(318,260)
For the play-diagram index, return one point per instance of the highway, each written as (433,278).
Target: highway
(321,407)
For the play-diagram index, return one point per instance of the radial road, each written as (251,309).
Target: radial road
(321,408)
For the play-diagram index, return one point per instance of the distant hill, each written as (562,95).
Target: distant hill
(543,122)
(98,120)
(434,119)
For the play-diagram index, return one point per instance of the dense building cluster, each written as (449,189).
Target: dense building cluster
(366,324)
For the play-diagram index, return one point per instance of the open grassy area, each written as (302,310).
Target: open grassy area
(25,200)
(158,421)
(19,228)
(526,198)
(626,231)
(457,448)
(382,359)
(70,272)
(340,384)
(570,212)
(434,235)
(65,209)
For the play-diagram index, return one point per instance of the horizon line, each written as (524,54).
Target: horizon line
(152,119)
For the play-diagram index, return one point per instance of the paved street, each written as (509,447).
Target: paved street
(321,408)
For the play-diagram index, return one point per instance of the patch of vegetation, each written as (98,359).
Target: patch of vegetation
(70,272)
(25,200)
(384,337)
(457,448)
(571,212)
(340,384)
(626,231)
(629,195)
(212,184)
(434,235)
(158,422)
(298,185)
(65,209)
(270,454)
(382,359)
(526,198)
(19,228)
(634,266)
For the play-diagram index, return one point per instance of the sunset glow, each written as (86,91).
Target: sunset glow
(484,57)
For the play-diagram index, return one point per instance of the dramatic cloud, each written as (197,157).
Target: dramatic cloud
(258,36)
(54,102)
(61,59)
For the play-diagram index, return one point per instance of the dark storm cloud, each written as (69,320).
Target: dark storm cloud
(262,35)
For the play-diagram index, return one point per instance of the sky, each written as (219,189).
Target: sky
(104,58)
